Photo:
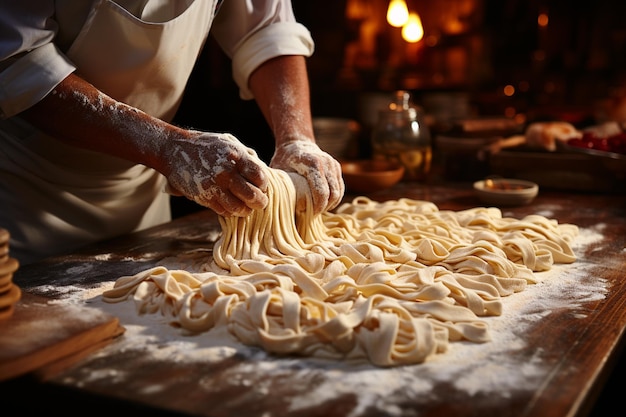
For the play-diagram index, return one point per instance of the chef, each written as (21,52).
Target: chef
(87,90)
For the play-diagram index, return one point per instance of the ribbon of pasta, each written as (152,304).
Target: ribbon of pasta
(392,282)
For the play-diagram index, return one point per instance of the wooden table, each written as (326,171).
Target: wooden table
(558,369)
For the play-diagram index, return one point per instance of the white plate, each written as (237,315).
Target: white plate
(506,192)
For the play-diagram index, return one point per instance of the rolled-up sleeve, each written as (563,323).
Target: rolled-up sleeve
(30,64)
(253,31)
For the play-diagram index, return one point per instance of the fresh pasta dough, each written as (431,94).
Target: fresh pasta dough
(389,282)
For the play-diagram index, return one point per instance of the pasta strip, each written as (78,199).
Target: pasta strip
(390,282)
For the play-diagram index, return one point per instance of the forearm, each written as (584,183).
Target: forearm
(77,113)
(281,90)
(212,169)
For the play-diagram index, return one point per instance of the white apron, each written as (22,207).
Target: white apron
(55,198)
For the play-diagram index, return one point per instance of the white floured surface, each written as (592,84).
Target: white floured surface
(471,369)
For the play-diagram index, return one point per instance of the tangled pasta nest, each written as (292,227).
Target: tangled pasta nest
(391,282)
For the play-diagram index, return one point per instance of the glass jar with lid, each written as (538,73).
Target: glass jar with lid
(401,135)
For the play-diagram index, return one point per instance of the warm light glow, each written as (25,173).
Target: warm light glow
(510,112)
(454,26)
(508,90)
(520,118)
(542,20)
(413,31)
(397,13)
(355,9)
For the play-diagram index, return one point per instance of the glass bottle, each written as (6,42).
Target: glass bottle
(401,135)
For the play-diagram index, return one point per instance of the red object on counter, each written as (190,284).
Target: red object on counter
(615,143)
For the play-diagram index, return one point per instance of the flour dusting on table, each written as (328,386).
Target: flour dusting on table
(471,369)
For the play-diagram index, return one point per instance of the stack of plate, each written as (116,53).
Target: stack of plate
(10,293)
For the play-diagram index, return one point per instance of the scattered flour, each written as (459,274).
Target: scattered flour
(470,369)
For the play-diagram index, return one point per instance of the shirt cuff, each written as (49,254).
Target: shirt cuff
(279,39)
(31,77)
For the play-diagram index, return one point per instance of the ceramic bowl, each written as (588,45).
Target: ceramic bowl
(367,176)
(335,135)
(506,192)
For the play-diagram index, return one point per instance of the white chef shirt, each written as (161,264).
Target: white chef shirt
(54,197)
(34,34)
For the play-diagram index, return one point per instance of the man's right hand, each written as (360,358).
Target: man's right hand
(216,171)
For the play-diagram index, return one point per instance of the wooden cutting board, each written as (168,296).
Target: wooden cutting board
(45,337)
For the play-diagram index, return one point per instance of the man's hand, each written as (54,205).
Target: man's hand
(321,170)
(217,171)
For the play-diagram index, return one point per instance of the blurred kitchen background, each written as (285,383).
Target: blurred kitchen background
(505,62)
(517,61)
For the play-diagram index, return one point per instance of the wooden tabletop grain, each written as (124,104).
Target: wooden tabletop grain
(575,347)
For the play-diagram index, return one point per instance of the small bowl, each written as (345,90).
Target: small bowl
(506,192)
(367,176)
(335,135)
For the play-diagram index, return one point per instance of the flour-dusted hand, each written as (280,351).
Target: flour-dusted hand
(217,171)
(321,170)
